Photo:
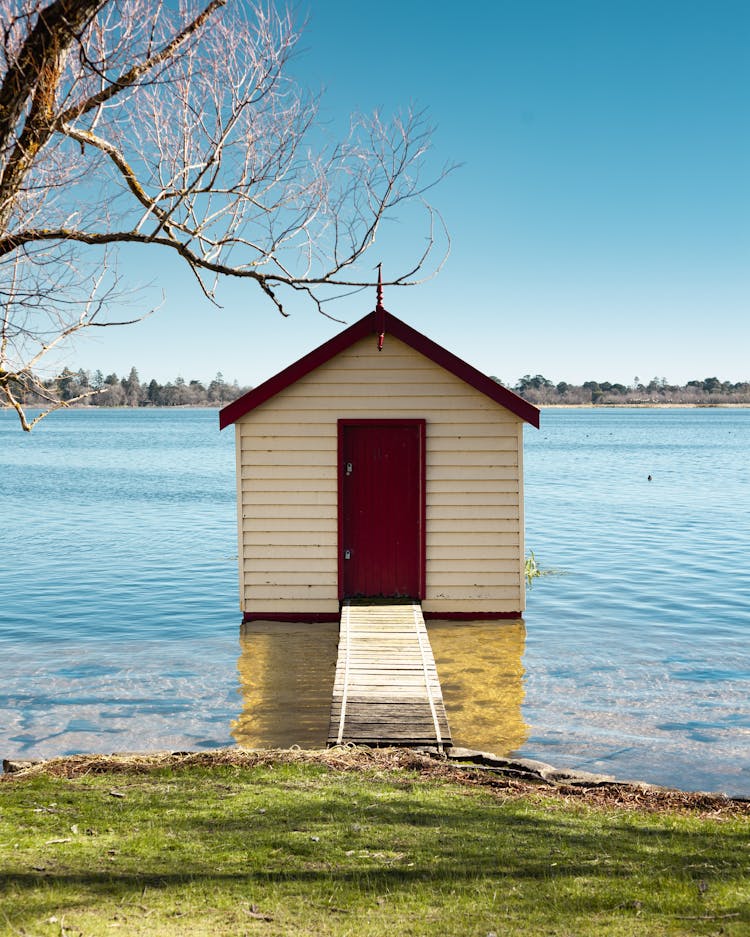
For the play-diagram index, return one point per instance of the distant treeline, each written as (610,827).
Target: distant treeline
(708,392)
(95,389)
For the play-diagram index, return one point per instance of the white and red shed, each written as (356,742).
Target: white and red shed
(380,465)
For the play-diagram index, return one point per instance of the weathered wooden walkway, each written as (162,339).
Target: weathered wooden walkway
(386,689)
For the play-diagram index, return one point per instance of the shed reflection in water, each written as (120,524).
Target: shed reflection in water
(481,675)
(286,680)
(287,670)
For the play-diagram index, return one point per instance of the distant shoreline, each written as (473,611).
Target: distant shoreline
(643,406)
(541,406)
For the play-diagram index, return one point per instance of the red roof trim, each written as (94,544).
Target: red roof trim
(369,326)
(446,359)
(258,395)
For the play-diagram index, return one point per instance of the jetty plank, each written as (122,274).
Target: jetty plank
(386,688)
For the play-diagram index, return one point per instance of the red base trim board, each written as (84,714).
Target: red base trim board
(315,617)
(312,617)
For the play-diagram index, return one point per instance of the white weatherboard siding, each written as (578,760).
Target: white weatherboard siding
(288,484)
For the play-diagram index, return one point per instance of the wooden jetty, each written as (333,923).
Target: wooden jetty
(386,689)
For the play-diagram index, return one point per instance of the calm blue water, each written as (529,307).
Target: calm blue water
(638,653)
(119,622)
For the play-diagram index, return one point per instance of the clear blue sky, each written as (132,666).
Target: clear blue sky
(600,219)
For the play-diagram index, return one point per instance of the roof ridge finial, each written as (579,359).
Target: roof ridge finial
(380,310)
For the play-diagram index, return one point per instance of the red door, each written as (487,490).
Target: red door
(381,508)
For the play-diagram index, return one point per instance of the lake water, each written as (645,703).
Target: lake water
(120,629)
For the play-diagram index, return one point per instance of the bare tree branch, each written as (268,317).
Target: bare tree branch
(132,122)
(138,71)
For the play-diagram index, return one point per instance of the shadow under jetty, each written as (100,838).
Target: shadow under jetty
(286,680)
(479,664)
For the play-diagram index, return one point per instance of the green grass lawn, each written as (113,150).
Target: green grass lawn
(314,846)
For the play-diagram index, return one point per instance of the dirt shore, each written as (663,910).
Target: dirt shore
(512,778)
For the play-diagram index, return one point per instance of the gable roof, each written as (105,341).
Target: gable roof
(376,323)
